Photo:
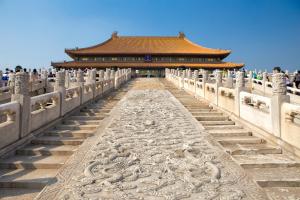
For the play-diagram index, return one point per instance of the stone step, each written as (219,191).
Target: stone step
(283,193)
(55,140)
(202,110)
(212,118)
(216,123)
(200,114)
(33,162)
(47,150)
(75,127)
(81,122)
(197,107)
(91,114)
(71,133)
(86,118)
(95,110)
(250,149)
(230,132)
(223,127)
(239,140)
(18,193)
(265,161)
(27,178)
(276,177)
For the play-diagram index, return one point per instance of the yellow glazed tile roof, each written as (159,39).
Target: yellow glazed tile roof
(147,45)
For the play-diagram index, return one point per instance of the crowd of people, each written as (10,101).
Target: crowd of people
(255,75)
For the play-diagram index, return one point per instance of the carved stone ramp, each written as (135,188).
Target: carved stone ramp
(152,148)
(26,172)
(276,172)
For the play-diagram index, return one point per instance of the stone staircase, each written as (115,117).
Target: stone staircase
(32,167)
(277,172)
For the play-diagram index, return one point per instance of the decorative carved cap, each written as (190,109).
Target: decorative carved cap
(278,84)
(79,76)
(181,35)
(21,83)
(114,35)
(240,81)
(205,75)
(218,77)
(60,79)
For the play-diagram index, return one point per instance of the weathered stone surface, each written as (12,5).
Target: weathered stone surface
(154,149)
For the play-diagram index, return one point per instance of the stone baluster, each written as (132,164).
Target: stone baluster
(189,74)
(196,78)
(117,80)
(229,80)
(101,75)
(204,80)
(250,78)
(218,83)
(112,77)
(196,74)
(186,73)
(67,79)
(21,95)
(11,82)
(80,83)
(59,86)
(44,74)
(279,96)
(92,80)
(183,75)
(239,87)
(218,77)
(264,80)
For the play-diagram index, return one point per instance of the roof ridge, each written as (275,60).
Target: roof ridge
(150,36)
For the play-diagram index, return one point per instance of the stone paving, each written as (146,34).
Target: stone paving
(154,149)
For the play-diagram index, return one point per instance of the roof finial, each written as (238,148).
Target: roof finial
(181,34)
(114,34)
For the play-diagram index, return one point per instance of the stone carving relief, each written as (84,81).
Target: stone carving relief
(278,84)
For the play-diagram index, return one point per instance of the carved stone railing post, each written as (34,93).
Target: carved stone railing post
(183,75)
(217,85)
(229,80)
(92,80)
(59,86)
(239,86)
(118,78)
(189,74)
(219,77)
(67,79)
(11,83)
(21,95)
(279,95)
(264,80)
(101,75)
(112,77)
(250,77)
(186,73)
(204,80)
(44,76)
(196,78)
(80,83)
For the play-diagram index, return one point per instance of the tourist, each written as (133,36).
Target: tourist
(35,75)
(297,79)
(288,82)
(277,70)
(18,68)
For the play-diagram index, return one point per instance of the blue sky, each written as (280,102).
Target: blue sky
(261,33)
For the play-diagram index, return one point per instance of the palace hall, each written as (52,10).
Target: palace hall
(147,55)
